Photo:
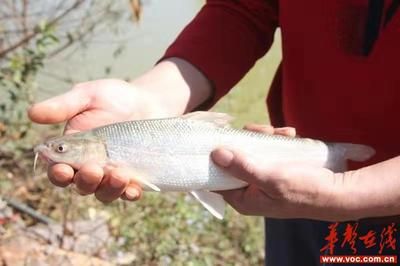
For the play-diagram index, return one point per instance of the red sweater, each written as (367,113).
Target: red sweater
(325,87)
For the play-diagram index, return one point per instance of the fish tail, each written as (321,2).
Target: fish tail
(356,152)
(339,153)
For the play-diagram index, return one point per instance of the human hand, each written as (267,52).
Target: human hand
(88,105)
(289,190)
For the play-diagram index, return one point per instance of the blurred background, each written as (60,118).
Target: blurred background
(46,47)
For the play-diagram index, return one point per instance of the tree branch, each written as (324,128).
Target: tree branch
(24,12)
(33,34)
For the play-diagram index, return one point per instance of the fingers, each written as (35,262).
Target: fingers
(268,129)
(235,198)
(115,184)
(286,131)
(60,108)
(273,179)
(237,165)
(88,178)
(60,174)
(248,201)
(132,192)
(91,179)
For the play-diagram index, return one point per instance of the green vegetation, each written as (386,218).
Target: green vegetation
(159,229)
(17,83)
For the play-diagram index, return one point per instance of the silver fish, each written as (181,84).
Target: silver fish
(173,154)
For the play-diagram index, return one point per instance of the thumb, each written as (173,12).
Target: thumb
(238,165)
(60,108)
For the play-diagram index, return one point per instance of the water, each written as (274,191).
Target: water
(143,44)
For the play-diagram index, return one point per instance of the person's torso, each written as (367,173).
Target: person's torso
(331,90)
(328,89)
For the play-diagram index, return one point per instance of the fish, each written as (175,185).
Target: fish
(173,153)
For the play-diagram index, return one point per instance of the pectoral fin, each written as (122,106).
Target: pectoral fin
(213,202)
(137,176)
(148,184)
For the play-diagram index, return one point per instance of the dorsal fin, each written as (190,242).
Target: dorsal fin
(218,119)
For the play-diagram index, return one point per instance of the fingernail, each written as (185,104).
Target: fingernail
(223,157)
(132,193)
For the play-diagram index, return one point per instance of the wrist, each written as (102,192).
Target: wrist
(338,200)
(152,102)
(354,199)
(175,85)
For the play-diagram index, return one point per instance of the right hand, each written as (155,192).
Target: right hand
(88,105)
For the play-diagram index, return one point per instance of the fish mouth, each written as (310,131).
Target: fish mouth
(39,148)
(41,151)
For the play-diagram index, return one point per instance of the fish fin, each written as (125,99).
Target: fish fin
(139,177)
(143,181)
(356,152)
(218,119)
(341,152)
(149,184)
(213,202)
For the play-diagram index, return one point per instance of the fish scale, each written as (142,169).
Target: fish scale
(173,154)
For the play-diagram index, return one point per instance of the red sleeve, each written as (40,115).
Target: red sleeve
(225,40)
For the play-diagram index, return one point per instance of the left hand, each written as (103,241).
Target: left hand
(283,190)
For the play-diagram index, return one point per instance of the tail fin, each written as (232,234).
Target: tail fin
(339,153)
(356,152)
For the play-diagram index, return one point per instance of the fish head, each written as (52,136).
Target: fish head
(74,150)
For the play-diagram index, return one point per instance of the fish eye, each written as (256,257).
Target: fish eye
(61,148)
